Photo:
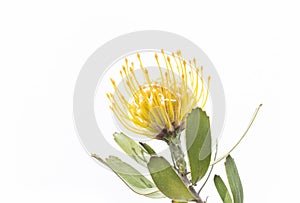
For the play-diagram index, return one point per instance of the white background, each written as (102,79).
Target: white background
(254,45)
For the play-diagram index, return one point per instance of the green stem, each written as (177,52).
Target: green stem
(177,154)
(179,162)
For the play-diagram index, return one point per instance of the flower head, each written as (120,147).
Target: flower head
(159,106)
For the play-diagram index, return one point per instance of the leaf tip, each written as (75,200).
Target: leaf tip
(216,176)
(228,158)
(94,155)
(115,134)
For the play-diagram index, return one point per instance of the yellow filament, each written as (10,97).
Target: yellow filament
(159,68)
(207,91)
(128,126)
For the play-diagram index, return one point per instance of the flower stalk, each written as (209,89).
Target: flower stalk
(179,162)
(177,153)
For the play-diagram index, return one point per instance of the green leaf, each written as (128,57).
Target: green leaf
(131,177)
(234,180)
(130,147)
(167,180)
(198,143)
(222,189)
(148,148)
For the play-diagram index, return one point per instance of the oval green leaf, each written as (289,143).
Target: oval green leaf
(198,143)
(222,189)
(234,180)
(167,180)
(130,147)
(131,177)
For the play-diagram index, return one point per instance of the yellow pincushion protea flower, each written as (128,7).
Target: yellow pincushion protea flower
(159,106)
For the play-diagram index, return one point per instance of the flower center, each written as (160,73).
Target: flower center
(154,106)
